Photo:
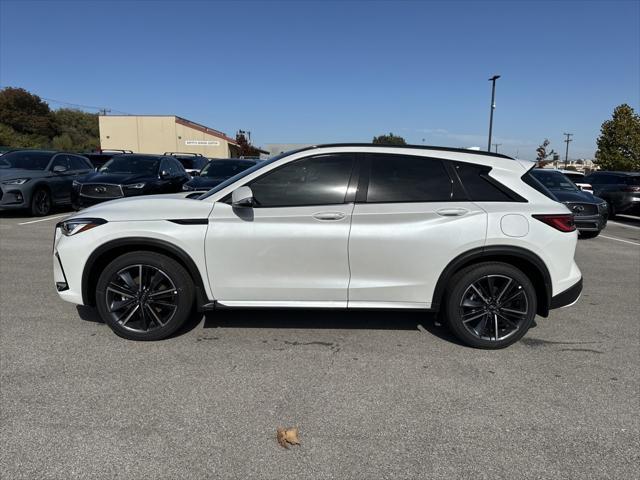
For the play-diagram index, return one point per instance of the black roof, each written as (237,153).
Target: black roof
(422,147)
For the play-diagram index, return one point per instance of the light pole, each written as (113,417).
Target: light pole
(493,107)
(566,154)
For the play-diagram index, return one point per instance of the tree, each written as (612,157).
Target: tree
(619,141)
(390,139)
(25,113)
(244,146)
(542,154)
(80,130)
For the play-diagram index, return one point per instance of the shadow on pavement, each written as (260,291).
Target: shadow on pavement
(297,319)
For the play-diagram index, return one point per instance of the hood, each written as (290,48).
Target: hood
(11,173)
(565,196)
(205,182)
(149,207)
(117,178)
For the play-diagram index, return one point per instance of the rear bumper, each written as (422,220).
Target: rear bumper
(567,297)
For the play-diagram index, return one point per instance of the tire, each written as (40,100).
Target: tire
(41,202)
(587,235)
(166,296)
(612,211)
(482,294)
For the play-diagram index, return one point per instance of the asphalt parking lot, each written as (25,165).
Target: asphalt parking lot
(375,394)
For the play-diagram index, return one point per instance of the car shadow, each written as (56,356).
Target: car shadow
(627,220)
(306,319)
(314,319)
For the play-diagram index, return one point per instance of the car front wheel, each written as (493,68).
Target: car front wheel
(144,295)
(490,305)
(41,202)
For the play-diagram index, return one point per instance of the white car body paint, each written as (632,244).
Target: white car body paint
(366,256)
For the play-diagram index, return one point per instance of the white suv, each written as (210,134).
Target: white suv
(467,233)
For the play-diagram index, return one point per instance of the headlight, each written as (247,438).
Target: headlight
(135,185)
(16,181)
(77,225)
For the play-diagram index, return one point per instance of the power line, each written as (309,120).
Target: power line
(101,110)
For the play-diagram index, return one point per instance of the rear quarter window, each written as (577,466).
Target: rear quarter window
(480,187)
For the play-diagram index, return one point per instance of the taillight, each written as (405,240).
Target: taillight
(562,222)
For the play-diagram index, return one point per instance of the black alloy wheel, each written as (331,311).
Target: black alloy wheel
(491,305)
(144,295)
(41,202)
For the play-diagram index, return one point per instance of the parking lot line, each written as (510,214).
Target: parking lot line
(624,225)
(620,240)
(43,219)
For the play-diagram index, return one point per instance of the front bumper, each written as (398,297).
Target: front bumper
(15,197)
(567,297)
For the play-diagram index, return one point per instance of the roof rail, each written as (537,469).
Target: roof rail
(422,147)
(183,153)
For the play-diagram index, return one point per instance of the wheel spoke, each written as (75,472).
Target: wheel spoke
(504,290)
(520,291)
(155,280)
(140,279)
(473,285)
(482,325)
(117,289)
(154,315)
(474,315)
(511,324)
(128,280)
(144,321)
(161,303)
(516,312)
(163,292)
(133,310)
(119,305)
(495,329)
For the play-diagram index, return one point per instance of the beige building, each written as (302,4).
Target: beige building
(163,133)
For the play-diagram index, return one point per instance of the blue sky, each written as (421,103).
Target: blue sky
(317,72)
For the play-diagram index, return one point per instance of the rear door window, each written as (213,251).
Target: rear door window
(407,178)
(79,163)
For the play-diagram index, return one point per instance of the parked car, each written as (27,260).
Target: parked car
(334,226)
(217,171)
(192,162)
(128,175)
(99,157)
(38,180)
(621,190)
(590,212)
(578,179)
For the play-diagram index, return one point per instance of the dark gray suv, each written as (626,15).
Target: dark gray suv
(38,180)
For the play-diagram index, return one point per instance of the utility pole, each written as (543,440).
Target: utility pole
(566,155)
(493,107)
(104,111)
(496,145)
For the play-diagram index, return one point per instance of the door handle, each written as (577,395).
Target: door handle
(329,216)
(452,212)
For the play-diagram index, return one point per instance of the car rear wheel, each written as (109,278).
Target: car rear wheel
(144,296)
(611,210)
(41,202)
(490,305)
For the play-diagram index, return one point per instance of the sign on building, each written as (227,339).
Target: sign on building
(202,142)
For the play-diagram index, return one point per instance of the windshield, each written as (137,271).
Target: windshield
(131,164)
(555,181)
(225,168)
(26,160)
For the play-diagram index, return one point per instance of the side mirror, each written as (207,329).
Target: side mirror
(242,197)
(164,174)
(59,169)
